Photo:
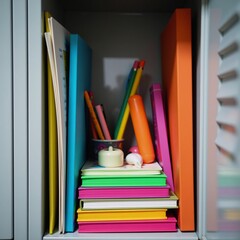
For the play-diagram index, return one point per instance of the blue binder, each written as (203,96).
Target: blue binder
(79,80)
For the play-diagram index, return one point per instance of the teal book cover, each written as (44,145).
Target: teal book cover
(79,80)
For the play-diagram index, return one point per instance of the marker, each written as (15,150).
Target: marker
(141,128)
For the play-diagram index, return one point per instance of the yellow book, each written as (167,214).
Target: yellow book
(129,214)
(52,151)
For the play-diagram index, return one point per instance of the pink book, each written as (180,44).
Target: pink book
(123,192)
(160,132)
(165,225)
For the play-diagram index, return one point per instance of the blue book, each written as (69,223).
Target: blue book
(79,80)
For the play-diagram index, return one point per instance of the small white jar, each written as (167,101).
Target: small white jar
(110,157)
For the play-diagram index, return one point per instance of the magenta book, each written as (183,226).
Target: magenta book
(165,225)
(123,192)
(160,132)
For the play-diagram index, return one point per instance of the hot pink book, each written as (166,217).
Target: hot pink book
(166,225)
(123,192)
(160,132)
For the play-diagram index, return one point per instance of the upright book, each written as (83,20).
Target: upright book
(60,43)
(160,132)
(176,52)
(52,132)
(79,81)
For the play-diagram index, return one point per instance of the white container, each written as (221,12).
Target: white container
(110,157)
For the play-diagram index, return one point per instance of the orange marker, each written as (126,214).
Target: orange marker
(141,128)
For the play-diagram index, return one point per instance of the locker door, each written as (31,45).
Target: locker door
(222,212)
(20,121)
(6,121)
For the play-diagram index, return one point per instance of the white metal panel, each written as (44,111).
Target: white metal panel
(6,157)
(36,118)
(20,118)
(202,120)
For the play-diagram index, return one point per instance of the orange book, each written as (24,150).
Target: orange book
(176,52)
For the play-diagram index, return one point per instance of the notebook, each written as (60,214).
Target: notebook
(79,80)
(124,180)
(129,203)
(164,225)
(107,215)
(123,192)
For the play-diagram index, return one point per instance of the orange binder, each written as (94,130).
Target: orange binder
(176,52)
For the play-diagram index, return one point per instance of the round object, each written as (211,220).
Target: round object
(99,144)
(134,159)
(133,149)
(110,157)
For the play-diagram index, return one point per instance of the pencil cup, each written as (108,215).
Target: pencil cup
(99,144)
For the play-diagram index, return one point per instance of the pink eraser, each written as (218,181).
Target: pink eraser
(133,149)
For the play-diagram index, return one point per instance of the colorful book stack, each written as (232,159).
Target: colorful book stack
(125,199)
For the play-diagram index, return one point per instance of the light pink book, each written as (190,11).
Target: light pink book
(160,132)
(165,225)
(123,192)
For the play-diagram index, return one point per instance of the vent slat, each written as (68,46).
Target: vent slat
(229,67)
(227,141)
(227,49)
(228,115)
(229,90)
(229,23)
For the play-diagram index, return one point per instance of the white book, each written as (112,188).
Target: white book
(58,46)
(91,168)
(129,203)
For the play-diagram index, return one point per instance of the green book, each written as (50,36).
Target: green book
(124,180)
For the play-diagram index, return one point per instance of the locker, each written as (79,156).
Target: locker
(118,32)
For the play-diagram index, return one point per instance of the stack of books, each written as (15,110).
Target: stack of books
(125,199)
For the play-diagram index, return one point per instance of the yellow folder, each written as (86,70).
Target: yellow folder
(52,144)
